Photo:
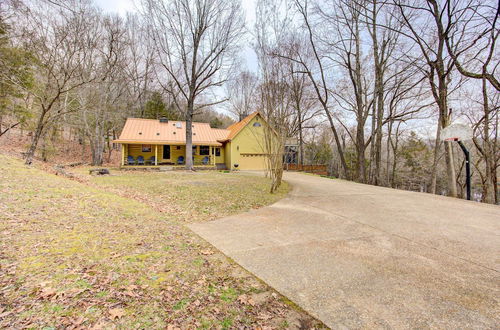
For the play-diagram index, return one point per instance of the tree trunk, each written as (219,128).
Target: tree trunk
(110,146)
(301,137)
(450,162)
(379,97)
(360,150)
(81,139)
(490,172)
(450,169)
(394,164)
(97,147)
(395,156)
(388,153)
(189,135)
(301,146)
(340,149)
(44,148)
(371,168)
(36,138)
(378,139)
(435,161)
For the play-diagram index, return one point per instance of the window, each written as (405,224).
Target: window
(204,150)
(256,124)
(217,152)
(194,150)
(146,148)
(178,147)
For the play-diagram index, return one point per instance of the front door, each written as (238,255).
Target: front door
(166,152)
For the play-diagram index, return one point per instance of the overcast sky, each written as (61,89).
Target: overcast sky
(123,6)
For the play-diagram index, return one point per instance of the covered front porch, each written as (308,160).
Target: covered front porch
(157,155)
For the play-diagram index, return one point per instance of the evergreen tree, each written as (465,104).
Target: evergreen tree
(155,108)
(15,71)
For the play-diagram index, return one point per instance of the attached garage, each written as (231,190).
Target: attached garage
(252,162)
(246,144)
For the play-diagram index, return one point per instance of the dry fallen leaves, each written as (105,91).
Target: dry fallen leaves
(207,252)
(88,294)
(47,293)
(264,316)
(4,314)
(172,327)
(116,313)
(246,300)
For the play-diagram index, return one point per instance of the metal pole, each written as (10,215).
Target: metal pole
(467,167)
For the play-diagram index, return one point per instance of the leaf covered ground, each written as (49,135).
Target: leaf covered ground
(189,196)
(113,253)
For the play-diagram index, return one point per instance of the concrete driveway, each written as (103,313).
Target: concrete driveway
(359,256)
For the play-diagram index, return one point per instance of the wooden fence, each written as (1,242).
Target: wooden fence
(316,169)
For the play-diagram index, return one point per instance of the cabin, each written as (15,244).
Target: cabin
(155,143)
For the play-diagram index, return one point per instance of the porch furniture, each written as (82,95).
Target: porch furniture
(205,160)
(140,160)
(180,160)
(130,160)
(151,160)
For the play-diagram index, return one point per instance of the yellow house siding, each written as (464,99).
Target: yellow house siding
(227,155)
(174,153)
(248,147)
(219,159)
(135,150)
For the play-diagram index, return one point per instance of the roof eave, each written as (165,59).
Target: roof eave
(206,143)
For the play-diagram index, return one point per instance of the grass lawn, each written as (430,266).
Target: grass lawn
(189,196)
(113,252)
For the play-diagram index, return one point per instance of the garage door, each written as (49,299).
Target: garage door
(252,162)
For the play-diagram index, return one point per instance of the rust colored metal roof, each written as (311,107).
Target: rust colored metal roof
(152,131)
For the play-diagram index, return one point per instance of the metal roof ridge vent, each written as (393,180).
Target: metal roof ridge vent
(163,120)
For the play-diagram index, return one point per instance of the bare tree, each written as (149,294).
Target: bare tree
(304,103)
(482,108)
(241,91)
(357,96)
(62,41)
(471,38)
(471,42)
(274,90)
(139,68)
(381,26)
(406,99)
(101,101)
(426,27)
(312,63)
(194,41)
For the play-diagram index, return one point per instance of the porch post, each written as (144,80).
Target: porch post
(213,156)
(156,154)
(123,154)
